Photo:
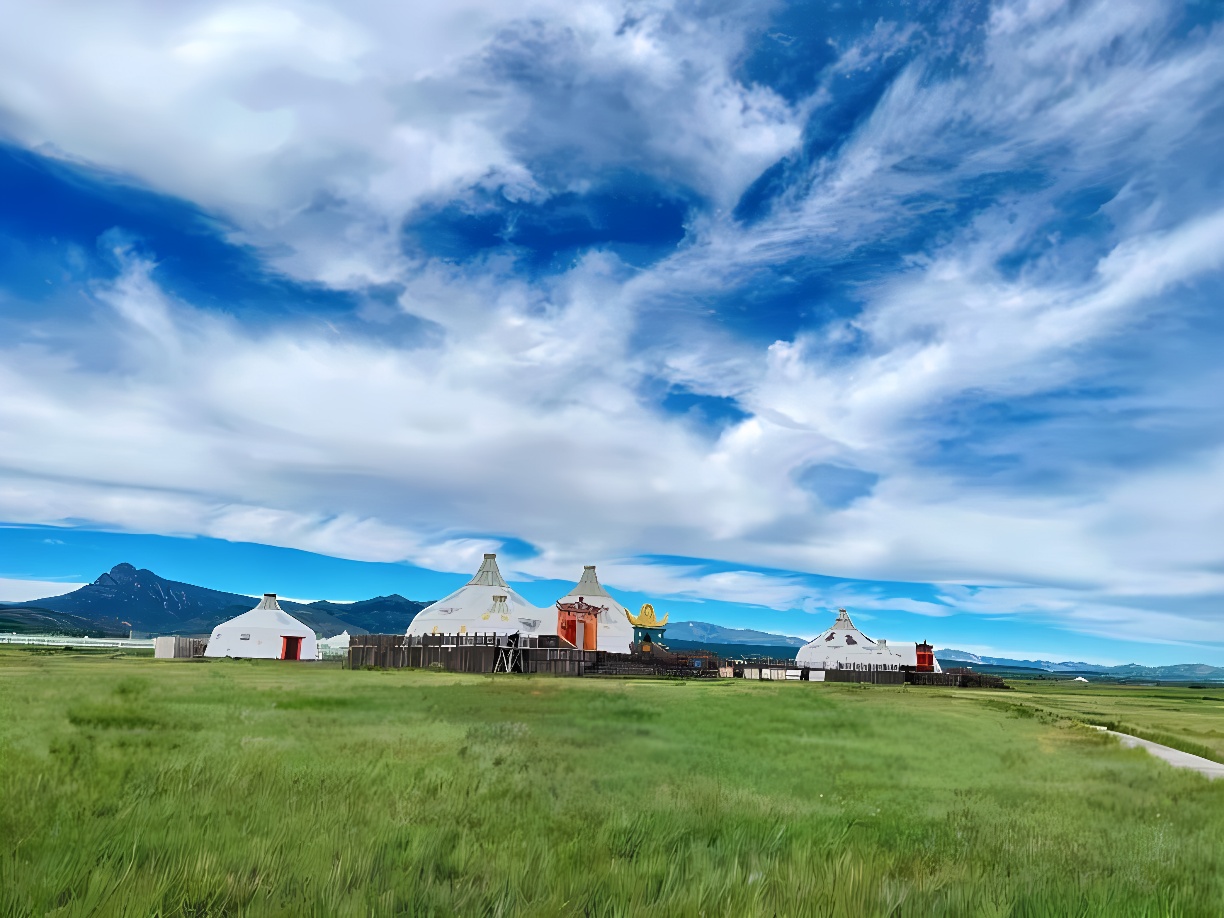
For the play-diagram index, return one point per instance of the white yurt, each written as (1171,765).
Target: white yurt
(267,632)
(845,647)
(335,646)
(484,605)
(615,631)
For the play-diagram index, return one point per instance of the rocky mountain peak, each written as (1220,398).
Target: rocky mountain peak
(119,575)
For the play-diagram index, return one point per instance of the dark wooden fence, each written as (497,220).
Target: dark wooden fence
(956,680)
(465,653)
(547,653)
(874,676)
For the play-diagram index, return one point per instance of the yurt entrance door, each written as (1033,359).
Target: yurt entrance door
(291,648)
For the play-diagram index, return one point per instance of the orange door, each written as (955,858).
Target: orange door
(291,648)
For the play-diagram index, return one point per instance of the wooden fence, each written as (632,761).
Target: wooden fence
(874,676)
(957,680)
(465,653)
(179,648)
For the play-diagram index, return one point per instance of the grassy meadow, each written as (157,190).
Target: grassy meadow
(1180,716)
(140,787)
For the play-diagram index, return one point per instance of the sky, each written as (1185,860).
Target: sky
(763,308)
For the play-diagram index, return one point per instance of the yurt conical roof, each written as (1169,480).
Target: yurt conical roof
(484,605)
(615,631)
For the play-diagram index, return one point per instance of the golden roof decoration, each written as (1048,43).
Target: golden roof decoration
(646,617)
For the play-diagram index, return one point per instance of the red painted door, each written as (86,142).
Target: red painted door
(291,648)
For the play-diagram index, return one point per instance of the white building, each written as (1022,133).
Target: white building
(266,632)
(845,647)
(484,605)
(615,630)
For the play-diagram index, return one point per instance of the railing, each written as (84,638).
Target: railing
(61,640)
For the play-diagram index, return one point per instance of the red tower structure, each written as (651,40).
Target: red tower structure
(571,615)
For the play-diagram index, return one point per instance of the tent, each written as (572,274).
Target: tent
(845,647)
(615,631)
(484,605)
(266,632)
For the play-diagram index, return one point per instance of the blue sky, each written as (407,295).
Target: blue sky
(763,308)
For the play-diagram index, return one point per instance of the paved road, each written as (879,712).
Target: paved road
(1174,757)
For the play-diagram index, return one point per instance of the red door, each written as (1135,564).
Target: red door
(291,648)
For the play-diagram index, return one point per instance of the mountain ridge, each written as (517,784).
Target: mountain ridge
(127,598)
(691,631)
(1177,672)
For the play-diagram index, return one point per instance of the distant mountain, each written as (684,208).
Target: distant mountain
(126,598)
(1050,667)
(1183,672)
(704,632)
(380,615)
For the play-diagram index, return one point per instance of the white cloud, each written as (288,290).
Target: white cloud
(520,413)
(24,590)
(317,129)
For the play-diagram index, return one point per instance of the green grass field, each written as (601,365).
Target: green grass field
(141,787)
(1185,718)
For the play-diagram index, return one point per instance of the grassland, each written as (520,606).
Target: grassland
(1185,718)
(141,787)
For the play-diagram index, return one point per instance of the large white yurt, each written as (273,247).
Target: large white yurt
(484,605)
(266,632)
(845,647)
(615,631)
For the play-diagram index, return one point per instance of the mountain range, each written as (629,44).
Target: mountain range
(704,632)
(126,599)
(1181,672)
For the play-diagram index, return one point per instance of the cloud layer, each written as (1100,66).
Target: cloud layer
(934,300)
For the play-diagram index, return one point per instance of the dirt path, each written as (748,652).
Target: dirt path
(1174,757)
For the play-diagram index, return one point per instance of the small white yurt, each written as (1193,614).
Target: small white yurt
(845,647)
(615,630)
(484,605)
(267,632)
(335,646)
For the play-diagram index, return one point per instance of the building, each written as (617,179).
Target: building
(484,605)
(615,632)
(647,628)
(845,647)
(267,632)
(578,623)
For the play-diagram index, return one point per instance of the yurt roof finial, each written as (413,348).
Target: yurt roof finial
(269,602)
(588,584)
(488,575)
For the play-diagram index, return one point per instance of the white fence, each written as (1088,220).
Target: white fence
(60,640)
